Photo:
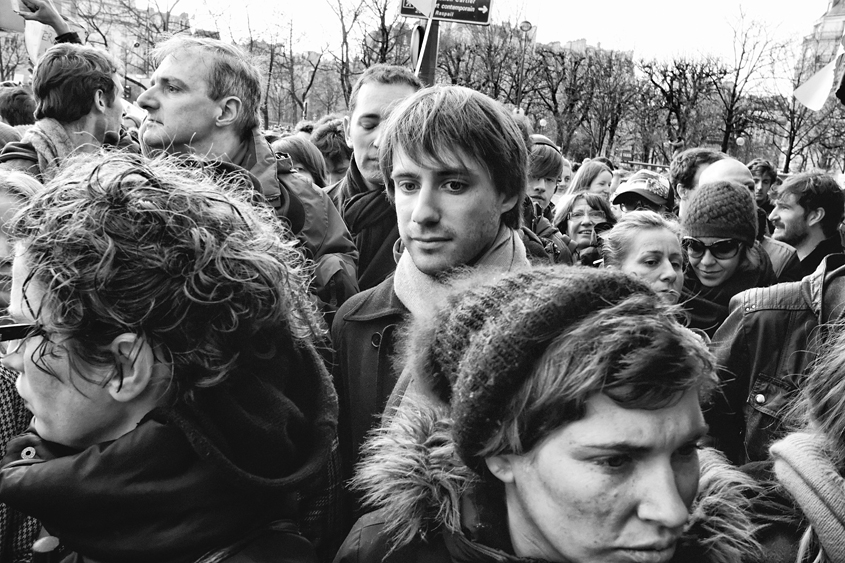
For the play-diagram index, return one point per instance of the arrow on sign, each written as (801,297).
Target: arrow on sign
(483,9)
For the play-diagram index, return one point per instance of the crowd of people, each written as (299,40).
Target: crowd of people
(411,332)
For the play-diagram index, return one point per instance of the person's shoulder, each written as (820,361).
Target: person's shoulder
(786,296)
(373,303)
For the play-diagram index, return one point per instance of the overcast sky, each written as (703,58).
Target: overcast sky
(651,28)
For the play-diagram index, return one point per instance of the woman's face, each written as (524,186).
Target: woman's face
(712,271)
(302,170)
(601,184)
(581,223)
(655,256)
(615,486)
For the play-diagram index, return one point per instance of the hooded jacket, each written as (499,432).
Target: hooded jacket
(432,509)
(215,475)
(763,350)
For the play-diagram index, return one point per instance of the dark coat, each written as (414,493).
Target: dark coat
(364,338)
(763,350)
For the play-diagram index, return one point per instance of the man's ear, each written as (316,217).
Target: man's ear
(230,108)
(135,359)
(509,203)
(100,101)
(346,125)
(501,466)
(815,216)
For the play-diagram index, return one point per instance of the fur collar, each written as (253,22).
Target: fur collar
(412,474)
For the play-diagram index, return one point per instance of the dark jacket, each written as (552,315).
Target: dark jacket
(313,218)
(364,337)
(832,245)
(193,478)
(433,509)
(763,350)
(371,219)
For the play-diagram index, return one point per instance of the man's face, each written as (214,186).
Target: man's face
(762,185)
(615,486)
(181,116)
(541,190)
(790,220)
(373,105)
(448,216)
(66,408)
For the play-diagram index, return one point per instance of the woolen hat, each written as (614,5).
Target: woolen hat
(721,210)
(487,340)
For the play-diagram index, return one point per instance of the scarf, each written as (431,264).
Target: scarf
(52,146)
(802,466)
(423,294)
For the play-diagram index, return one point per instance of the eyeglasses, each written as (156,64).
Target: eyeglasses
(635,206)
(13,335)
(594,214)
(720,250)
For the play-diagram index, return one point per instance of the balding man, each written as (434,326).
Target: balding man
(785,260)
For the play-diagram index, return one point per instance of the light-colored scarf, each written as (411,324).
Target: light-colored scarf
(424,295)
(802,466)
(52,145)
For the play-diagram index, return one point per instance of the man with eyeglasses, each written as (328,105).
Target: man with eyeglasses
(772,334)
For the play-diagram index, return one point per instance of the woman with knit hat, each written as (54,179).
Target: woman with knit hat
(559,421)
(720,231)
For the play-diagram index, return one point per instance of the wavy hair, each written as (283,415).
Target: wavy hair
(121,244)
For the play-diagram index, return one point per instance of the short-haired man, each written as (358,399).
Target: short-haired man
(785,261)
(765,177)
(17,106)
(808,210)
(78,95)
(685,169)
(545,166)
(455,163)
(360,196)
(204,100)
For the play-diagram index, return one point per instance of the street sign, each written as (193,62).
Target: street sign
(462,11)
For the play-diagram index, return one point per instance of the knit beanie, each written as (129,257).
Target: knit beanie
(722,210)
(487,340)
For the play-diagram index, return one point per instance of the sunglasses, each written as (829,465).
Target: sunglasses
(13,334)
(720,250)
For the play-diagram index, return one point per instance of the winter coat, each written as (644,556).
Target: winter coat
(433,509)
(364,338)
(371,219)
(708,306)
(221,474)
(763,351)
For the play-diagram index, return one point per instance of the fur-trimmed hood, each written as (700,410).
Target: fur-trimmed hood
(411,473)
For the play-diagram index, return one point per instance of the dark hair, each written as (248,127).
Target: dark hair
(441,122)
(66,79)
(384,74)
(546,161)
(302,151)
(683,167)
(764,168)
(123,244)
(17,106)
(304,126)
(330,140)
(606,161)
(595,201)
(230,74)
(586,175)
(815,190)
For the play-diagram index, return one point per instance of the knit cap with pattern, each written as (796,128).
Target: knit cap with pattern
(721,210)
(485,343)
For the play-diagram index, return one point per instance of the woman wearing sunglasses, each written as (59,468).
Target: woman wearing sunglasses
(720,230)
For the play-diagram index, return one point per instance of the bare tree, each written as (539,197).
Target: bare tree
(348,14)
(686,89)
(386,38)
(613,84)
(12,54)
